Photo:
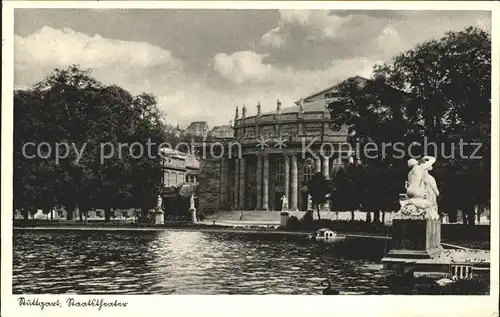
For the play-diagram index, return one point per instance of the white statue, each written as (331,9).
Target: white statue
(284,203)
(309,202)
(421,190)
(432,193)
(191,201)
(301,105)
(159,203)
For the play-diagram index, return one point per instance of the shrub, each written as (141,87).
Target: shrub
(293,223)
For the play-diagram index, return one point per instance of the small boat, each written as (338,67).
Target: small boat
(326,235)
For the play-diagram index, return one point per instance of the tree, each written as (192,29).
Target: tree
(439,90)
(448,82)
(319,189)
(372,111)
(71,107)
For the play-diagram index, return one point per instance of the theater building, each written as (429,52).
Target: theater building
(274,154)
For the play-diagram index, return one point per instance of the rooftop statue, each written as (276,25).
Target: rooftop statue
(301,106)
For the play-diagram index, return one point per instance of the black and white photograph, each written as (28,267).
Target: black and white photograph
(224,150)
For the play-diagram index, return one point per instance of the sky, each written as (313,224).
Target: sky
(201,64)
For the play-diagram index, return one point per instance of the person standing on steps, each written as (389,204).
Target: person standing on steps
(241,216)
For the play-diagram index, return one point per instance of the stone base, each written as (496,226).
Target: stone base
(159,217)
(413,240)
(416,237)
(194,218)
(284,218)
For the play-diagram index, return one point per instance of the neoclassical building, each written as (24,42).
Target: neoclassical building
(274,154)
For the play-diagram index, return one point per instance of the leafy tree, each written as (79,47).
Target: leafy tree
(319,189)
(449,87)
(442,93)
(73,108)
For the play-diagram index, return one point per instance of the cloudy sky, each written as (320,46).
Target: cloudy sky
(201,64)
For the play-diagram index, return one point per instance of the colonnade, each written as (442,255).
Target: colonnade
(291,181)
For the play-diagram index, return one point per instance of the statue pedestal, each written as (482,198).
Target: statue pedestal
(415,239)
(193,214)
(284,218)
(159,217)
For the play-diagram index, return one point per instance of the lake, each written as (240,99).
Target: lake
(190,262)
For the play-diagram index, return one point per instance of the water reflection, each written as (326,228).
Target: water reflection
(175,262)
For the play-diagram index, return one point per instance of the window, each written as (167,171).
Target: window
(280,171)
(252,176)
(174,179)
(308,170)
(166,179)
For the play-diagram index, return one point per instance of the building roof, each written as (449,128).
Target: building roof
(192,162)
(332,87)
(222,128)
(313,106)
(198,125)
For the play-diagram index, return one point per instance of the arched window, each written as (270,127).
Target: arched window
(308,170)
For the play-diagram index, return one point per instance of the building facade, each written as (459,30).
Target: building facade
(179,168)
(274,154)
(198,128)
(223,132)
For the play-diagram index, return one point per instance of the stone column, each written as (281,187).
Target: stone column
(236,193)
(317,164)
(258,177)
(287,176)
(326,173)
(265,183)
(294,184)
(326,170)
(242,183)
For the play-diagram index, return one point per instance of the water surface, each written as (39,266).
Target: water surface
(189,262)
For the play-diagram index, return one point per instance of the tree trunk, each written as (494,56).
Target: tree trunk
(480,210)
(33,211)
(470,215)
(368,217)
(69,212)
(317,210)
(46,211)
(383,217)
(376,216)
(452,216)
(26,213)
(51,213)
(107,214)
(352,215)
